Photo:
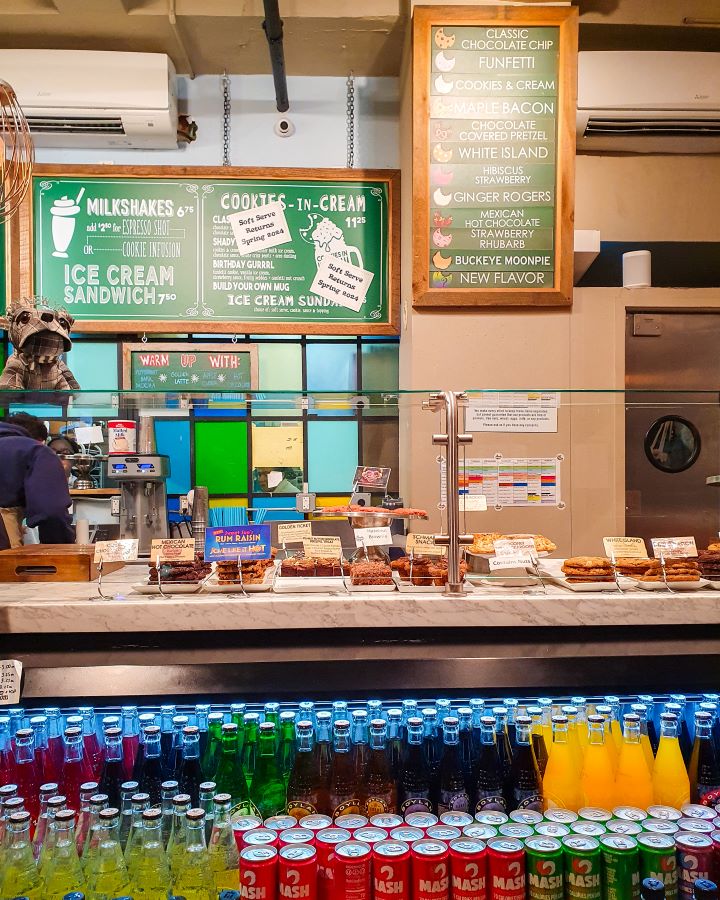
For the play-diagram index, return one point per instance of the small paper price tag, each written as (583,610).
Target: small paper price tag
(294,532)
(173,549)
(373,537)
(625,547)
(125,550)
(516,561)
(424,545)
(512,547)
(674,547)
(10,676)
(473,503)
(322,547)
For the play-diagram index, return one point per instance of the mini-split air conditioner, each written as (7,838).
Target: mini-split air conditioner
(648,101)
(91,98)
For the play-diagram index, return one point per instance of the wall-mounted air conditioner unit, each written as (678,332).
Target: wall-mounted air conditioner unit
(95,98)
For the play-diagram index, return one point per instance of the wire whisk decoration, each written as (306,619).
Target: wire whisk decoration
(17,153)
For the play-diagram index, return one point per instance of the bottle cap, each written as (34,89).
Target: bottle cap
(109,813)
(65,815)
(151,815)
(181,799)
(195,815)
(140,798)
(191,729)
(221,799)
(113,732)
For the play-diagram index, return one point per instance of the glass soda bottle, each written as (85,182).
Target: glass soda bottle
(168,790)
(633,783)
(130,739)
(381,788)
(538,738)
(581,704)
(545,704)
(409,709)
(89,837)
(93,747)
(598,773)
(395,741)
(503,745)
(671,785)
(360,750)
(432,750)
(167,714)
(150,874)
(63,872)
(307,791)
(605,710)
(237,713)
(684,740)
(488,770)
(477,705)
(414,783)
(180,723)
(222,849)
(19,876)
(127,789)
(344,789)
(704,771)
(271,713)
(267,791)
(615,730)
(106,874)
(194,880)
(46,792)
(43,761)
(178,832)
(190,775)
(140,802)
(27,776)
(210,757)
(467,750)
(202,713)
(572,714)
(323,747)
(652,721)
(512,707)
(208,790)
(340,711)
(286,750)
(641,710)
(76,768)
(7,758)
(712,708)
(250,746)
(44,850)
(113,771)
(55,738)
(145,720)
(230,778)
(453,791)
(526,783)
(374,709)
(151,774)
(561,783)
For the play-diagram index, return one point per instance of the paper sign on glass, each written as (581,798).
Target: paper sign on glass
(510,562)
(323,547)
(625,547)
(373,537)
(259,228)
(473,503)
(173,549)
(374,478)
(674,547)
(512,547)
(125,550)
(89,434)
(424,545)
(294,532)
(10,678)
(237,542)
(345,284)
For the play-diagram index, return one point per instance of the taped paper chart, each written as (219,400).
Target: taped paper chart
(513,481)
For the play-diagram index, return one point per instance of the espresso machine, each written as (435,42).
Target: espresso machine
(143,496)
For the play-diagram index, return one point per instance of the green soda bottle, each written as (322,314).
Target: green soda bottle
(194,880)
(286,751)
(223,851)
(267,790)
(230,778)
(150,875)
(250,745)
(63,872)
(212,748)
(19,876)
(106,874)
(139,803)
(176,841)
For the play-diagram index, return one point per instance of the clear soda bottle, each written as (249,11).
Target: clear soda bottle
(704,771)
(340,711)
(106,874)
(145,720)
(93,747)
(222,849)
(43,761)
(127,789)
(168,790)
(7,758)
(194,880)
(27,776)
(208,790)
(149,872)
(167,714)
(89,837)
(55,738)
(488,770)
(54,806)
(414,783)
(374,709)
(19,876)
(202,713)
(139,803)
(180,723)
(151,772)
(46,792)
(453,791)
(177,840)
(190,775)
(63,872)
(130,739)
(267,790)
(113,770)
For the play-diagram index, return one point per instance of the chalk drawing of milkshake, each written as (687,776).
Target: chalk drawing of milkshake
(63,213)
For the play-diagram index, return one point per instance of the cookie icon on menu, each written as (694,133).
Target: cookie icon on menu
(440,261)
(441,279)
(441,240)
(441,199)
(443,86)
(442,176)
(444,63)
(444,41)
(440,154)
(441,221)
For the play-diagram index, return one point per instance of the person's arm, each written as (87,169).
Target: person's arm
(47,498)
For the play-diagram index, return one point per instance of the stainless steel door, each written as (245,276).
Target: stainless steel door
(666,493)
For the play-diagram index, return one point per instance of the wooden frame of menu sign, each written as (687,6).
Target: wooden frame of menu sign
(506,272)
(360,204)
(222,358)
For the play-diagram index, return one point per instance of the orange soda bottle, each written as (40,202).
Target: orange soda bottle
(633,783)
(671,784)
(561,783)
(598,773)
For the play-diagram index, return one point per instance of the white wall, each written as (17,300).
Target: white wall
(317,109)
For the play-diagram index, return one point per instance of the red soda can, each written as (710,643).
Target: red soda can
(326,842)
(506,868)
(715,838)
(297,871)
(391,871)
(445,833)
(316,822)
(468,869)
(477,832)
(258,872)
(370,835)
(492,817)
(242,825)
(352,869)
(696,826)
(296,836)
(388,821)
(423,820)
(456,819)
(351,821)
(430,870)
(280,823)
(408,834)
(261,837)
(697,811)
(694,859)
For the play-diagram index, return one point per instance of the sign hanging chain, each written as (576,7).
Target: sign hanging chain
(226,118)
(350,107)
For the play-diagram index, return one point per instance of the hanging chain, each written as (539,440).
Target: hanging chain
(226,118)
(350,106)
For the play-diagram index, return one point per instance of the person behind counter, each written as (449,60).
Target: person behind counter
(33,484)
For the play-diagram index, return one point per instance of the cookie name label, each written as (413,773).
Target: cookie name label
(625,548)
(373,537)
(322,547)
(294,532)
(423,545)
(674,547)
(173,549)
(125,550)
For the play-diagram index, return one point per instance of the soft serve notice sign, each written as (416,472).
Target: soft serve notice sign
(163,249)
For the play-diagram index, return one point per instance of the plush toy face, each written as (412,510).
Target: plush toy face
(39,331)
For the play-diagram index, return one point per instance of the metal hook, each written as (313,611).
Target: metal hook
(234,339)
(144,338)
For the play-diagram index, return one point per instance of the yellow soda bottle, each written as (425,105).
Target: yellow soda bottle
(641,710)
(150,876)
(598,774)
(106,874)
(581,704)
(615,729)
(545,704)
(671,784)
(538,737)
(572,716)
(633,783)
(19,876)
(176,841)
(223,851)
(138,803)
(63,872)
(561,783)
(194,880)
(605,711)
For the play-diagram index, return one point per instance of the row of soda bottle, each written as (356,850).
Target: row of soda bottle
(596,854)
(371,759)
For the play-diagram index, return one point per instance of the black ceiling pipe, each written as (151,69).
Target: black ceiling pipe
(273,28)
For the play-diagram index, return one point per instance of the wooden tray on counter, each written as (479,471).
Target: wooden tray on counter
(51,562)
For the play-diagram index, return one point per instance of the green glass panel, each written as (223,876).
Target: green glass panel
(332,455)
(280,367)
(221,456)
(380,367)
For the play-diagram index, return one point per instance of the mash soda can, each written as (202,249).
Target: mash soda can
(697,811)
(552,829)
(506,868)
(297,872)
(370,835)
(391,871)
(261,837)
(630,813)
(407,834)
(456,819)
(594,814)
(583,868)
(352,869)
(544,861)
(697,826)
(296,836)
(516,830)
(588,829)
(242,826)
(326,843)
(259,872)
(477,832)
(445,833)
(664,812)
(658,860)
(621,867)
(280,823)
(468,869)
(430,870)
(316,822)
(388,821)
(561,816)
(351,821)
(660,826)
(694,859)
(422,820)
(492,817)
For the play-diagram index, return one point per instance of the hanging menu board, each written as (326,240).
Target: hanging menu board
(195,367)
(493,169)
(217,250)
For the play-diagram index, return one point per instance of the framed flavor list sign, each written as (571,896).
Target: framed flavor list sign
(216,250)
(493,169)
(190,367)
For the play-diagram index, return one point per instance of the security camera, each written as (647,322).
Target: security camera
(284,128)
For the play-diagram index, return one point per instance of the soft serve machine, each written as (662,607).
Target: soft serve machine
(141,478)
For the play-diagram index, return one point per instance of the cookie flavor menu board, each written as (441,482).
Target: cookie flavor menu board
(291,253)
(492,170)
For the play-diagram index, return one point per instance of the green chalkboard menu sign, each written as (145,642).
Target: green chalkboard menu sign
(224,250)
(494,157)
(190,367)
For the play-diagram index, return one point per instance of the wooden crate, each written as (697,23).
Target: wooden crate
(51,562)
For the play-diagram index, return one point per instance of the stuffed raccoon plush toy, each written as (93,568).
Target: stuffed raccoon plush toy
(39,335)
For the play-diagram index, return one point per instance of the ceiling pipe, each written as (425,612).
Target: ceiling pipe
(273,28)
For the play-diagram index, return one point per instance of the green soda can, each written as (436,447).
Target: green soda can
(623,826)
(583,868)
(659,860)
(594,814)
(544,861)
(561,816)
(661,826)
(621,867)
(631,813)
(552,829)
(588,829)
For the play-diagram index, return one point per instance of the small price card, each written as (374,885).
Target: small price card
(10,676)
(294,532)
(625,547)
(125,550)
(373,537)
(517,561)
(473,503)
(173,549)
(237,542)
(674,547)
(512,547)
(322,547)
(424,545)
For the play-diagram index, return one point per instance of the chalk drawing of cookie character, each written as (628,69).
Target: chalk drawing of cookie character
(329,240)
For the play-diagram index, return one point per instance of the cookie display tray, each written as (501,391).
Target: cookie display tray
(215,587)
(589,586)
(289,584)
(700,585)
(407,587)
(371,588)
(169,589)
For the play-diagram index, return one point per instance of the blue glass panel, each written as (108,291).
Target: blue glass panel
(172,436)
(40,410)
(332,455)
(332,367)
(94,365)
(286,513)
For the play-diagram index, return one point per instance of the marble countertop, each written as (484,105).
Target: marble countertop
(67,608)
